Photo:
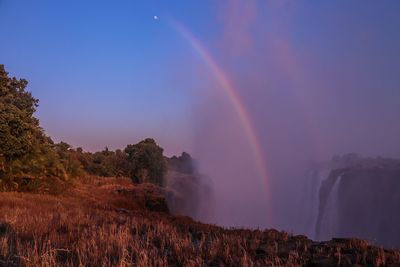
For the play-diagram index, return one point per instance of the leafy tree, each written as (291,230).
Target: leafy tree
(20,132)
(184,163)
(105,163)
(120,163)
(147,162)
(29,159)
(27,155)
(69,158)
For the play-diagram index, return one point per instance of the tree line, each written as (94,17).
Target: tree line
(31,161)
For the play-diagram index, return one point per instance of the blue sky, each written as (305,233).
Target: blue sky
(108,74)
(105,73)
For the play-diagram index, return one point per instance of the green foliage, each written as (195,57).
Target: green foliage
(69,159)
(183,164)
(29,160)
(105,163)
(19,130)
(27,155)
(147,162)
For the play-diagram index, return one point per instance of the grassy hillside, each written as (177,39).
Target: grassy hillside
(110,222)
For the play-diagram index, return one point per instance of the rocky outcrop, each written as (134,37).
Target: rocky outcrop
(188,194)
(361,200)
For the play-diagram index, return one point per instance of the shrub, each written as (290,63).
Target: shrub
(147,162)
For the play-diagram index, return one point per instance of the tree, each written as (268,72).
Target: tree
(121,163)
(184,163)
(27,155)
(147,162)
(20,132)
(70,159)
(23,144)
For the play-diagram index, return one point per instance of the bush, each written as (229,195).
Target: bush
(27,155)
(146,161)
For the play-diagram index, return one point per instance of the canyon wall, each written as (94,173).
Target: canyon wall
(361,199)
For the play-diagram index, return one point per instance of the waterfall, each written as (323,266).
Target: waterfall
(311,200)
(330,217)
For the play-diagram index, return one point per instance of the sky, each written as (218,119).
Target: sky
(105,74)
(317,78)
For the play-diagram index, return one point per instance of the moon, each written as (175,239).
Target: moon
(155,17)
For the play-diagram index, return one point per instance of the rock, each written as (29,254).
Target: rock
(366,198)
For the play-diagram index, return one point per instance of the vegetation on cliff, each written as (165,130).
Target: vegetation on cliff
(31,161)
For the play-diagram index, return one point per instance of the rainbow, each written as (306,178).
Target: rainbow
(233,96)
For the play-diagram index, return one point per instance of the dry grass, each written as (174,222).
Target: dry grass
(107,222)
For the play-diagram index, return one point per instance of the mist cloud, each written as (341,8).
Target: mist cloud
(312,93)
